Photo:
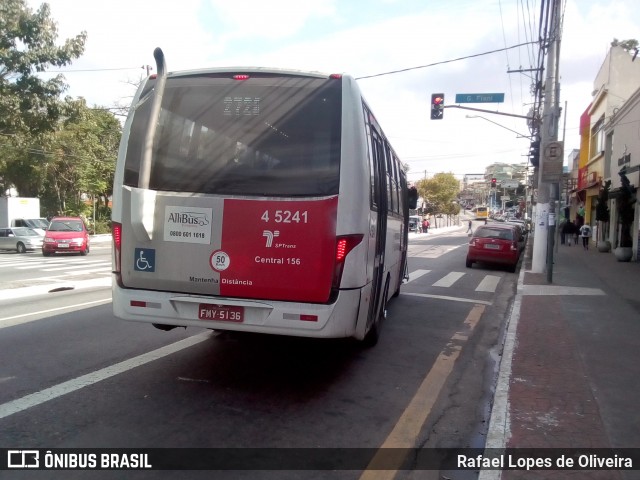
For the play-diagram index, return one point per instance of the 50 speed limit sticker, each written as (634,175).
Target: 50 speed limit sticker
(219,261)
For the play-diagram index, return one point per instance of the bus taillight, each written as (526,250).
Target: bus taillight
(344,245)
(116,231)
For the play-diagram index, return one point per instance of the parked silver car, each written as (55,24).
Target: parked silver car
(20,239)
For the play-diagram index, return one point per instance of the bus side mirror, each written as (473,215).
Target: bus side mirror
(413,198)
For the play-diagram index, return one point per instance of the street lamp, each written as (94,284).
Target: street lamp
(496,123)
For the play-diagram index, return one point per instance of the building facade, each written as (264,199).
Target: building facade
(622,156)
(604,137)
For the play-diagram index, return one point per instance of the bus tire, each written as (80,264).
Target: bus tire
(373,335)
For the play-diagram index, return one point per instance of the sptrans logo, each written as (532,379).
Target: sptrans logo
(270,236)
(23,459)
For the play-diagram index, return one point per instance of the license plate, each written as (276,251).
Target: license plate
(492,246)
(63,245)
(221,313)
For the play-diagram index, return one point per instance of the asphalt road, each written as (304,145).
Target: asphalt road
(73,376)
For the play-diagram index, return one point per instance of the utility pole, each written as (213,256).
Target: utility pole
(547,189)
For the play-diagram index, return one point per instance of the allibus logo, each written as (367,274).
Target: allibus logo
(189,218)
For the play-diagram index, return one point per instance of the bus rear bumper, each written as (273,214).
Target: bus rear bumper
(336,320)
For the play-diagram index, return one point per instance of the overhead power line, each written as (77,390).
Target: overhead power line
(92,70)
(447,61)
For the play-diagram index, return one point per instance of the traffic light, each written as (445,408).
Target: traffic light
(534,153)
(494,183)
(437,106)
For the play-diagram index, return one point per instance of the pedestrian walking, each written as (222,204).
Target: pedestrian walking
(470,229)
(568,232)
(585,233)
(425,225)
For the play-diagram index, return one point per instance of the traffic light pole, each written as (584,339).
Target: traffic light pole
(488,111)
(545,206)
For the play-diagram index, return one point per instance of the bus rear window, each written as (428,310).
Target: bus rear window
(268,135)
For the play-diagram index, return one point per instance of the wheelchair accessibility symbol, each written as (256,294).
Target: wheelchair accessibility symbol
(145,260)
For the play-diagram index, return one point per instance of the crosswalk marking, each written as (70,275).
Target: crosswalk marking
(488,284)
(449,279)
(430,251)
(417,274)
(444,297)
(58,269)
(63,264)
(102,265)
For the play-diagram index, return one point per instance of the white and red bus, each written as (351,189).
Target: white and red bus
(257,200)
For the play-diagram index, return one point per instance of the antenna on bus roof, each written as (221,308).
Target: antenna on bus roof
(161,78)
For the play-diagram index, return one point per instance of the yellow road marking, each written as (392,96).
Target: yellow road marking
(407,428)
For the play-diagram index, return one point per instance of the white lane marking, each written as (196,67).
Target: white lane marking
(38,398)
(559,290)
(10,321)
(449,279)
(78,266)
(488,284)
(416,274)
(444,297)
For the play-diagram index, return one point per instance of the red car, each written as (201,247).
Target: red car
(66,234)
(497,244)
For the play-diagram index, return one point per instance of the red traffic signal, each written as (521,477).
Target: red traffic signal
(493,183)
(437,106)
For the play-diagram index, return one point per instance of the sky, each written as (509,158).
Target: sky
(364,38)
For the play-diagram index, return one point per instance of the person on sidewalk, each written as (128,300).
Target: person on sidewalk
(569,231)
(470,229)
(585,233)
(425,225)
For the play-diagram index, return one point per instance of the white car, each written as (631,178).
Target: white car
(20,239)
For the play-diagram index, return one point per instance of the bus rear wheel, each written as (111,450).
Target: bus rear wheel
(373,335)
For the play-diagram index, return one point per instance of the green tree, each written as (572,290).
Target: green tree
(440,193)
(82,160)
(630,45)
(65,166)
(30,105)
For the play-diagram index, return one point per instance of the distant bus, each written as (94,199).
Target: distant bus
(480,213)
(257,200)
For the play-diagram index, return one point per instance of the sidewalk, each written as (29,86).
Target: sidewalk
(569,375)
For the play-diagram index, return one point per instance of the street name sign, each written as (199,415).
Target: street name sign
(552,161)
(479,97)
(509,184)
